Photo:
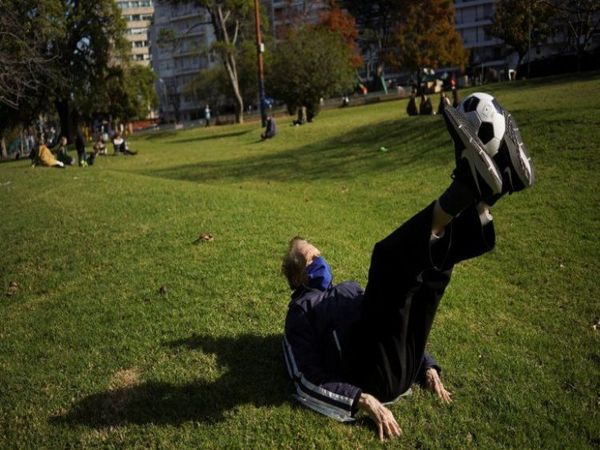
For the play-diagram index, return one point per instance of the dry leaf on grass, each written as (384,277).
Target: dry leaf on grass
(204,237)
(124,379)
(13,288)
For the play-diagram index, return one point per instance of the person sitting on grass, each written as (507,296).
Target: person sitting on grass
(270,129)
(348,349)
(44,157)
(455,98)
(61,152)
(411,108)
(444,101)
(100,146)
(120,145)
(425,107)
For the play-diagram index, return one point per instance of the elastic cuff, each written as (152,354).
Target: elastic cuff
(354,408)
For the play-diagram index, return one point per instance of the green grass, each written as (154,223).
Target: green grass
(92,355)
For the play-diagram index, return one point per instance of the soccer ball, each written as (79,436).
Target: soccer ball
(487,116)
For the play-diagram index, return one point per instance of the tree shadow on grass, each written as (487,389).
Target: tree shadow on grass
(157,134)
(210,137)
(410,142)
(253,374)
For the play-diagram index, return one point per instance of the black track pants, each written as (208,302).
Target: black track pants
(407,279)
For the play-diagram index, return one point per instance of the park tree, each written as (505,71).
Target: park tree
(581,20)
(343,23)
(376,20)
(213,86)
(90,40)
(25,29)
(426,36)
(313,63)
(521,24)
(28,68)
(233,23)
(126,93)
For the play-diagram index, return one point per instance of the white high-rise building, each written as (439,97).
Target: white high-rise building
(180,36)
(138,15)
(473,19)
(285,14)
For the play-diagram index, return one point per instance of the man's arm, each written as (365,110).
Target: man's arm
(429,378)
(383,417)
(433,383)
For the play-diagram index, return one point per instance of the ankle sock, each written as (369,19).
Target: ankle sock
(485,216)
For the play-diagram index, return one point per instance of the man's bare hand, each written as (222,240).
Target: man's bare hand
(383,417)
(434,384)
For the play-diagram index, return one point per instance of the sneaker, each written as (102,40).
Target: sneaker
(512,159)
(474,167)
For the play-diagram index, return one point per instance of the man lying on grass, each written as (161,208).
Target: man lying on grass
(347,349)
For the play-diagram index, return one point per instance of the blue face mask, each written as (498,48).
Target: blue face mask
(319,274)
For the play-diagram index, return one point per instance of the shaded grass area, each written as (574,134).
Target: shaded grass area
(94,354)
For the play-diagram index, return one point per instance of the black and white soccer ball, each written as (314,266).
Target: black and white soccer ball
(487,116)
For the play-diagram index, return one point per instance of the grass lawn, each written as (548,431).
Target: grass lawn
(93,355)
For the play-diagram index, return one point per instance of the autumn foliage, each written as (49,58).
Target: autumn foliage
(425,36)
(342,22)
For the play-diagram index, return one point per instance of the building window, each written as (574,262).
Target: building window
(137,31)
(488,11)
(486,34)
(136,4)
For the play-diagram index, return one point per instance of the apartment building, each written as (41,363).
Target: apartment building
(180,37)
(138,15)
(286,14)
(473,20)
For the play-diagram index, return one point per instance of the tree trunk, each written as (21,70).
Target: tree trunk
(66,119)
(220,26)
(3,146)
(231,69)
(22,142)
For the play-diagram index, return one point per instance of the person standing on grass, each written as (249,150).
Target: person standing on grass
(348,349)
(80,147)
(207,115)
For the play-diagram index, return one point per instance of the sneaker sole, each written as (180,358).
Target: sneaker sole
(520,160)
(479,161)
